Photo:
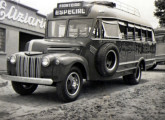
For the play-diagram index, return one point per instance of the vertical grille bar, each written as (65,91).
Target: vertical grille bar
(38,67)
(18,65)
(22,66)
(28,66)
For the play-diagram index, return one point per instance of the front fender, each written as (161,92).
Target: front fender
(64,64)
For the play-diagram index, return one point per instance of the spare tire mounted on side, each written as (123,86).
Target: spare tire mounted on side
(107,59)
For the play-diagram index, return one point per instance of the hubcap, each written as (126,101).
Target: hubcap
(111,60)
(73,83)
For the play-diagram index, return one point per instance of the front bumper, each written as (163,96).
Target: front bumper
(40,81)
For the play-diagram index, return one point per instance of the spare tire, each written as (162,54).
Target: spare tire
(107,59)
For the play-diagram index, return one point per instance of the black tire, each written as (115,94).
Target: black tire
(69,89)
(107,60)
(153,67)
(135,78)
(24,88)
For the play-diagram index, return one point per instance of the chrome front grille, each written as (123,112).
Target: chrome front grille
(28,66)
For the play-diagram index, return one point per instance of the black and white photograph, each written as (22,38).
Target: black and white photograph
(82,59)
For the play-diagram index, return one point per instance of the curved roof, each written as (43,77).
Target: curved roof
(108,10)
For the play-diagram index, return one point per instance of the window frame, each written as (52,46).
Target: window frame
(56,20)
(111,22)
(89,34)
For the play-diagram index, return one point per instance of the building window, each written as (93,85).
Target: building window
(2,39)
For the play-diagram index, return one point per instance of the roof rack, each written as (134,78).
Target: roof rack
(127,8)
(106,3)
(119,5)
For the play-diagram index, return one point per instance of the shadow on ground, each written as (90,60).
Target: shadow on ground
(46,95)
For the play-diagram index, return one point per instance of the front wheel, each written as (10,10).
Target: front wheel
(69,89)
(133,79)
(24,88)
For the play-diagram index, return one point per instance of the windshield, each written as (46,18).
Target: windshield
(76,28)
(79,28)
(56,28)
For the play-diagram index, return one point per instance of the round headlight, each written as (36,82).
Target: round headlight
(13,59)
(45,61)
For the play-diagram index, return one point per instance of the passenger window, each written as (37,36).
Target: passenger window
(149,38)
(144,34)
(123,30)
(137,33)
(130,34)
(110,29)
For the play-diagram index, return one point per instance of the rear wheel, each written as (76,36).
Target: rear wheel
(153,67)
(133,79)
(69,89)
(24,88)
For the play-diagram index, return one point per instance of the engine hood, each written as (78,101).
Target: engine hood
(46,46)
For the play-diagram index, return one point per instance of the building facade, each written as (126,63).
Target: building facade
(18,25)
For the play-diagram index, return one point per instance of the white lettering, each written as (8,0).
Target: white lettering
(15,15)
(12,13)
(31,21)
(69,5)
(73,11)
(2,9)
(65,12)
(26,18)
(20,17)
(56,12)
(83,11)
(69,12)
(79,11)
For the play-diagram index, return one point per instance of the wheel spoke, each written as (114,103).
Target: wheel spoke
(73,83)
(109,64)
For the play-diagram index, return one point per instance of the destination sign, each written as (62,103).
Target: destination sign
(70,5)
(70,11)
(70,8)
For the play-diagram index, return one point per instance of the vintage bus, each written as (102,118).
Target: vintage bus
(84,41)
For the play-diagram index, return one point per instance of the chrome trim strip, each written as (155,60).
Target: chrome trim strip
(58,49)
(40,81)
(131,62)
(150,59)
(160,55)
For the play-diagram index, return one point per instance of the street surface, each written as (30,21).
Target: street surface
(98,100)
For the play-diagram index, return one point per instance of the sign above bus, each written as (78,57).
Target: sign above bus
(70,5)
(71,8)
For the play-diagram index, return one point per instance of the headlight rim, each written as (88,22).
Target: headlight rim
(11,59)
(48,61)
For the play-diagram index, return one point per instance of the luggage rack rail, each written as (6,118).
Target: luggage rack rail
(127,8)
(119,5)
